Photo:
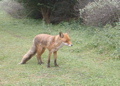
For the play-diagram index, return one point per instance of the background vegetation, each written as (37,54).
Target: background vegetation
(92,12)
(93,60)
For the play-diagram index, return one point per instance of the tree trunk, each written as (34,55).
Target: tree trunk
(46,14)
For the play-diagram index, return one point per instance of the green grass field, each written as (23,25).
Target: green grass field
(93,60)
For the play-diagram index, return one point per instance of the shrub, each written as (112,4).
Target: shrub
(13,8)
(101,12)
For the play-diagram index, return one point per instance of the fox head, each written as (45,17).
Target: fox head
(64,37)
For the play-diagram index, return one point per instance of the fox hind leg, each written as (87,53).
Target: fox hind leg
(40,51)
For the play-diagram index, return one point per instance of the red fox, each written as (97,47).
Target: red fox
(52,43)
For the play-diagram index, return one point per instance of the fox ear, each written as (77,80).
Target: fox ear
(61,34)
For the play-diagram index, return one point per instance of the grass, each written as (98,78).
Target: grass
(83,64)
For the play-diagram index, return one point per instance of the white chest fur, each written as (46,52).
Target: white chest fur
(58,47)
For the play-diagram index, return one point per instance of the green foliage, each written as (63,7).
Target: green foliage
(107,41)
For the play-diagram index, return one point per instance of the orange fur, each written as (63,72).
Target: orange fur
(52,43)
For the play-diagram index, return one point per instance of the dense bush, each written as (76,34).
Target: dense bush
(52,11)
(101,12)
(13,8)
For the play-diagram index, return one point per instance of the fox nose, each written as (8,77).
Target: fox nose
(70,45)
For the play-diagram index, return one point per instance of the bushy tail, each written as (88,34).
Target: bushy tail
(29,54)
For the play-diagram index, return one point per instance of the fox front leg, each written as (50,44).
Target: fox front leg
(55,59)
